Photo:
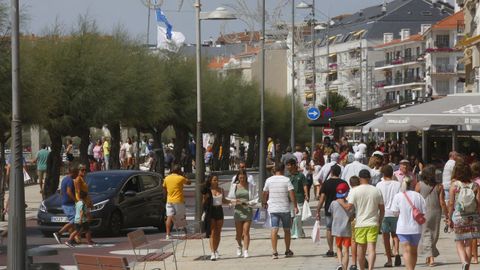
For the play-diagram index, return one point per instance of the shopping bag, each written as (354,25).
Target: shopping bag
(316,232)
(26,176)
(256,216)
(268,223)
(306,212)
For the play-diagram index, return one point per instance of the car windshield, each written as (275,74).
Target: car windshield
(99,183)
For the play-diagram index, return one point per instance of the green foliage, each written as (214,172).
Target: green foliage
(337,102)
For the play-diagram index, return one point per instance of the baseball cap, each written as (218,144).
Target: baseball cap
(377,153)
(342,190)
(334,156)
(404,161)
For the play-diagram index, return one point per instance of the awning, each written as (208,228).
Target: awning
(453,110)
(379,125)
(466,42)
(332,54)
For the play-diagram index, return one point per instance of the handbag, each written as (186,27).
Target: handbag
(417,215)
(316,232)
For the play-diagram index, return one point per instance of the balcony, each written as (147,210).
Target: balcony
(443,68)
(399,61)
(398,81)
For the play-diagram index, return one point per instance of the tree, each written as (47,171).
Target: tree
(337,102)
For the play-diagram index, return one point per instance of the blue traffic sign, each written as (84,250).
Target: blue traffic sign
(313,113)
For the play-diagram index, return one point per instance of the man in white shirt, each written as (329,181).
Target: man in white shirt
(447,173)
(298,154)
(277,195)
(325,170)
(354,168)
(389,188)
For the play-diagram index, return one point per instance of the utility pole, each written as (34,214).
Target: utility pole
(327,82)
(361,76)
(314,71)
(263,149)
(292,128)
(17,243)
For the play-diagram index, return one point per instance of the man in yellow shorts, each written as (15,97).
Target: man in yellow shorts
(369,211)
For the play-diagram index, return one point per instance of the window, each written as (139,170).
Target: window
(442,41)
(443,87)
(418,52)
(132,185)
(149,182)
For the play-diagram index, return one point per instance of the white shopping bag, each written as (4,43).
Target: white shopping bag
(268,223)
(26,176)
(306,212)
(316,232)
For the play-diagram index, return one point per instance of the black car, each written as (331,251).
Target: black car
(121,199)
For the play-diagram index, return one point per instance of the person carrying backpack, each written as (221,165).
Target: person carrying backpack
(463,211)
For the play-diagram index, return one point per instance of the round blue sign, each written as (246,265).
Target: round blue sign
(313,113)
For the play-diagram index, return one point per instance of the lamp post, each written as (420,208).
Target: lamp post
(303,5)
(219,14)
(17,243)
(292,128)
(262,147)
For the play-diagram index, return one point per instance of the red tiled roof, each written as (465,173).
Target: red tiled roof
(246,36)
(450,22)
(416,37)
(218,63)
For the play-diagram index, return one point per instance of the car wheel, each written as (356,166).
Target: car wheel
(115,224)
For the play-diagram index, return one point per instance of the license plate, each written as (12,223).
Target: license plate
(59,219)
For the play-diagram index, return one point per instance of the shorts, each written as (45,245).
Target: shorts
(70,157)
(365,235)
(82,228)
(216,212)
(412,239)
(285,218)
(447,195)
(175,210)
(316,182)
(69,211)
(343,241)
(328,222)
(389,224)
(353,229)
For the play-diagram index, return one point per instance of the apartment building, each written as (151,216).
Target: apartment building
(470,44)
(346,55)
(400,75)
(445,72)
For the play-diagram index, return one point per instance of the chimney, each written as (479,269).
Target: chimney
(404,34)
(424,28)
(387,37)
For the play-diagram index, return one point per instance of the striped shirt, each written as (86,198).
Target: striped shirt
(278,187)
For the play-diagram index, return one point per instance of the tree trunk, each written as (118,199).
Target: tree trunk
(2,177)
(225,161)
(216,152)
(256,151)
(114,145)
(180,149)
(250,151)
(158,148)
(137,159)
(54,163)
(84,135)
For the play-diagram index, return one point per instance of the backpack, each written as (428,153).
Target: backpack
(466,201)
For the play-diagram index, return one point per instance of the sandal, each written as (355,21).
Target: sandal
(275,255)
(388,265)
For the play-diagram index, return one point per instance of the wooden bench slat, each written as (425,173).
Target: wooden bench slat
(96,262)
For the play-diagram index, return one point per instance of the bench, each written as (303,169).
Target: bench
(96,262)
(138,241)
(190,233)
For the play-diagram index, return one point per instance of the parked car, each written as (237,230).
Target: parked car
(121,199)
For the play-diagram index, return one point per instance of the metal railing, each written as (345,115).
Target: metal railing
(398,81)
(444,68)
(398,61)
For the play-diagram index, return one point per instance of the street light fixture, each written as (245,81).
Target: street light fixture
(219,14)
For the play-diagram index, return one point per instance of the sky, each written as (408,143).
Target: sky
(132,14)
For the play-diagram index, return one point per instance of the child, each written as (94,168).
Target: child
(82,216)
(341,227)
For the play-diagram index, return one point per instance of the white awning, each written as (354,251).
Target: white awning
(379,125)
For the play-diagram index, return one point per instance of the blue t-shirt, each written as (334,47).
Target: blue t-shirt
(67,182)
(42,157)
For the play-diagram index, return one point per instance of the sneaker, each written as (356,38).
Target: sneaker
(69,244)
(339,267)
(353,267)
(217,255)
(288,253)
(398,260)
(239,251)
(168,236)
(245,254)
(330,254)
(213,257)
(275,256)
(92,244)
(57,237)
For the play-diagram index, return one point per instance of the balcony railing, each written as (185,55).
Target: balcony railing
(398,81)
(399,61)
(443,68)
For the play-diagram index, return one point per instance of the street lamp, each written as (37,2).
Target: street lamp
(304,5)
(219,14)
